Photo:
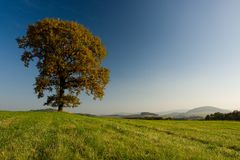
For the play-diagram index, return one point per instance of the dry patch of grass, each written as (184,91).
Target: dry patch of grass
(7,122)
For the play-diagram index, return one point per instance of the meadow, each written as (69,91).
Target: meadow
(52,135)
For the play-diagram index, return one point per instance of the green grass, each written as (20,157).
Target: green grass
(39,135)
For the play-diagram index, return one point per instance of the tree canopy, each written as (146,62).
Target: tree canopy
(69,60)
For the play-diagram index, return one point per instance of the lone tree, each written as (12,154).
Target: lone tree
(68,58)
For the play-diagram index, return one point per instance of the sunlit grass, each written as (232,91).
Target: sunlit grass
(36,135)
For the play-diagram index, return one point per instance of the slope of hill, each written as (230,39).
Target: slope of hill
(59,136)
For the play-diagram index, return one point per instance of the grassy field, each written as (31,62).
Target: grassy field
(39,135)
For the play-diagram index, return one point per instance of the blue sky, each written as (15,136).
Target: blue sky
(163,54)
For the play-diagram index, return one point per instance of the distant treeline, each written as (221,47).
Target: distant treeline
(235,115)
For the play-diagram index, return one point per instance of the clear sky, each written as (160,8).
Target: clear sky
(163,54)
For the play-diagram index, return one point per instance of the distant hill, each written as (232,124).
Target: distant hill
(172,111)
(125,113)
(206,110)
(196,113)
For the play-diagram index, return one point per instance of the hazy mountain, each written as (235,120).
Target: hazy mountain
(176,111)
(125,113)
(206,110)
(199,112)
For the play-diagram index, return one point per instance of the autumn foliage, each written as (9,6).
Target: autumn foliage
(69,60)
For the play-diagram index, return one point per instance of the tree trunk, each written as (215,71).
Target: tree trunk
(60,108)
(61,94)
